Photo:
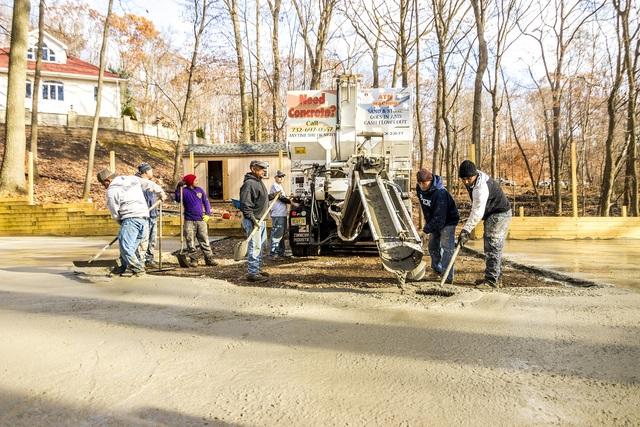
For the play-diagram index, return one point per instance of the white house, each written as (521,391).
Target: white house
(67,83)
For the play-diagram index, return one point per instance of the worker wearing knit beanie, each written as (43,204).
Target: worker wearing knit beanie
(197,210)
(489,204)
(440,220)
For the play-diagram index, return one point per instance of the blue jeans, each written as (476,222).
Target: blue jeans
(441,247)
(148,244)
(254,250)
(132,231)
(278,228)
(495,233)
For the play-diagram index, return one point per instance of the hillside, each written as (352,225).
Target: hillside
(63,153)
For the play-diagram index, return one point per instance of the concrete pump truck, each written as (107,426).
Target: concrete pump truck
(351,154)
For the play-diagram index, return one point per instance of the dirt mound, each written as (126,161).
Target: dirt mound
(63,156)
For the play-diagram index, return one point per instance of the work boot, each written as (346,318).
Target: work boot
(151,265)
(117,270)
(486,284)
(256,278)
(264,273)
(193,262)
(210,262)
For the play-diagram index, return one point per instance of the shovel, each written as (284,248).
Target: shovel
(441,290)
(240,250)
(182,256)
(94,262)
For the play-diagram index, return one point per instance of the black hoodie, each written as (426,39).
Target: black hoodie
(438,206)
(253,197)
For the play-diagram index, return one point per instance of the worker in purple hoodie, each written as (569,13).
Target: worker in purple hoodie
(196,213)
(441,218)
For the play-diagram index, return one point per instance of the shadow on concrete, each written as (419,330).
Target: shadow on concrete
(33,410)
(615,362)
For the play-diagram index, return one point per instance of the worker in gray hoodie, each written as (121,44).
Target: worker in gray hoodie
(127,204)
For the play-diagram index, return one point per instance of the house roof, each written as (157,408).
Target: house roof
(235,149)
(73,66)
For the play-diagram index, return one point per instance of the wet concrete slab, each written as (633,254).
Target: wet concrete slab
(609,261)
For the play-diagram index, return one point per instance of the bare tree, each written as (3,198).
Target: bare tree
(507,14)
(522,152)
(274,9)
(613,102)
(369,26)
(309,33)
(36,90)
(257,128)
(479,10)
(96,118)
(232,8)
(12,172)
(567,22)
(631,174)
(448,17)
(201,19)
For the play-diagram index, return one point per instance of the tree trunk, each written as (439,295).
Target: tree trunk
(12,173)
(35,93)
(96,118)
(198,30)
(233,12)
(275,49)
(404,42)
(256,109)
(478,11)
(608,174)
(524,155)
(317,65)
(631,175)
(418,115)
(557,182)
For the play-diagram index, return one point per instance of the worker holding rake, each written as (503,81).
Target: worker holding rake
(126,202)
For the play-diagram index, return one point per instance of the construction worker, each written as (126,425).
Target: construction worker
(145,250)
(490,205)
(253,204)
(441,218)
(126,202)
(279,214)
(197,211)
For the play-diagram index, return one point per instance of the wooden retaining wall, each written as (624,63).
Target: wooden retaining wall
(18,218)
(569,228)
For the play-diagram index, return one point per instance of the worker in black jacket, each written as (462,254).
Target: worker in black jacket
(489,204)
(441,218)
(254,201)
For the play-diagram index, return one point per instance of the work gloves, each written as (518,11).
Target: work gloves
(205,218)
(463,237)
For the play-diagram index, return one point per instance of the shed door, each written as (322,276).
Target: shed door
(216,180)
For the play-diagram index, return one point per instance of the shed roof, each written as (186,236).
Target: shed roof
(270,148)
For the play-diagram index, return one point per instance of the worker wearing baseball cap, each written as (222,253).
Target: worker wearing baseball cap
(253,204)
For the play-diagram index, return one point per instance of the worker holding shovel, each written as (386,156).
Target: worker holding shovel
(441,218)
(253,204)
(490,205)
(126,202)
(197,211)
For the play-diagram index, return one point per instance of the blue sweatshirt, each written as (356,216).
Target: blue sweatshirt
(195,200)
(438,206)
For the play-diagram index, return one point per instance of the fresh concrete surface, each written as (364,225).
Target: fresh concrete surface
(616,262)
(83,349)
